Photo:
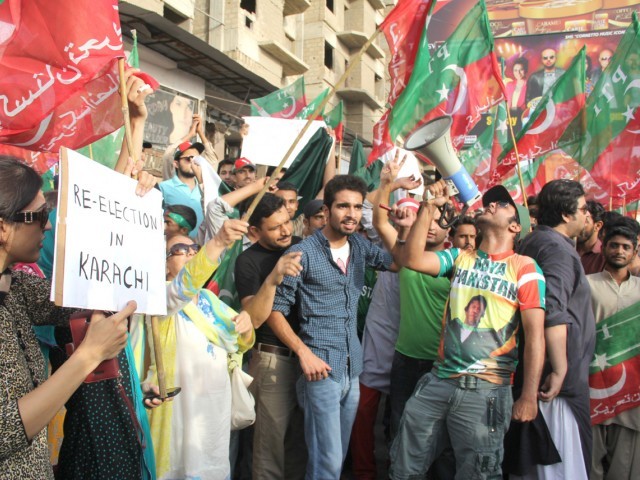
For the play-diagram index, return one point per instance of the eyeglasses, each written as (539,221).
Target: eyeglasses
(584,209)
(503,204)
(41,216)
(189,158)
(183,249)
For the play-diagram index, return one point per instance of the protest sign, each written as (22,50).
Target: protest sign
(270,138)
(109,242)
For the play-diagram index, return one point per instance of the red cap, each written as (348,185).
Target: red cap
(243,162)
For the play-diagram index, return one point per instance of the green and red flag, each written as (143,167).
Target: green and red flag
(611,150)
(479,159)
(547,129)
(223,282)
(462,80)
(335,119)
(614,373)
(284,103)
(307,111)
(402,29)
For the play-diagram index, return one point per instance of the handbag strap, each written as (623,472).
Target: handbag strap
(136,424)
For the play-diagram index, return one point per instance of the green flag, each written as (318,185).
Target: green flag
(614,373)
(284,103)
(307,170)
(223,283)
(307,111)
(371,173)
(611,150)
(335,119)
(462,79)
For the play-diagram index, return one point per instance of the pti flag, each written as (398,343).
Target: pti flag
(462,80)
(284,103)
(58,72)
(546,128)
(402,28)
(611,150)
(307,111)
(335,119)
(614,373)
(223,283)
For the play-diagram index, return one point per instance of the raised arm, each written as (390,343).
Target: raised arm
(414,255)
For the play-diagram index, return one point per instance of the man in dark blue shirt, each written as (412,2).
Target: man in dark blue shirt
(326,295)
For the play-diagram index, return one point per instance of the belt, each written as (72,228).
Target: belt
(285,352)
(469,382)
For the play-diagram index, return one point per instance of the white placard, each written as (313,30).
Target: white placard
(411,166)
(269,139)
(110,244)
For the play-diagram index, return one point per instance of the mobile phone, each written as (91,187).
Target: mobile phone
(171,392)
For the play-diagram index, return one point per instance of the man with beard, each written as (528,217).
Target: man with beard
(278,441)
(569,330)
(467,395)
(326,296)
(616,441)
(588,244)
(542,80)
(183,188)
(463,234)
(244,172)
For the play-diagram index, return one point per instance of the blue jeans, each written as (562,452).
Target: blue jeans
(475,414)
(329,411)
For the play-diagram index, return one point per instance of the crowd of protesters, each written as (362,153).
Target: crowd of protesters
(479,335)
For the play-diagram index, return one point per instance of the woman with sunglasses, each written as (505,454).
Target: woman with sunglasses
(27,401)
(191,433)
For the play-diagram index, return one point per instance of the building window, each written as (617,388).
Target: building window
(248,5)
(330,5)
(328,56)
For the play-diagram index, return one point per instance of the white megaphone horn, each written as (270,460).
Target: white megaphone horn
(433,140)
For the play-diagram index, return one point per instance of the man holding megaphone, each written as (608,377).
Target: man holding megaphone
(468,392)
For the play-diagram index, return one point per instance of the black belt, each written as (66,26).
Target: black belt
(263,347)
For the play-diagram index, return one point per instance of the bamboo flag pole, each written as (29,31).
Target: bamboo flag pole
(125,111)
(157,346)
(515,149)
(339,156)
(317,111)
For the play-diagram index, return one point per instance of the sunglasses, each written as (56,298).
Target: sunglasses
(41,216)
(183,249)
(549,58)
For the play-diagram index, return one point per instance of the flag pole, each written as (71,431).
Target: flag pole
(317,111)
(125,111)
(155,332)
(339,156)
(515,149)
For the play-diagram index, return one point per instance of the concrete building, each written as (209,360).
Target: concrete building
(216,55)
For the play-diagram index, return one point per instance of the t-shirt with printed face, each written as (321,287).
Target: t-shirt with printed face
(483,317)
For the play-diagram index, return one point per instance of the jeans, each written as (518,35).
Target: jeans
(329,411)
(405,374)
(475,414)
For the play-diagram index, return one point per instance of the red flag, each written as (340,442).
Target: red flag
(58,72)
(402,29)
(547,128)
(40,162)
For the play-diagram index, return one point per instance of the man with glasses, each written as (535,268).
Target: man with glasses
(542,80)
(569,329)
(604,58)
(183,188)
(467,396)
